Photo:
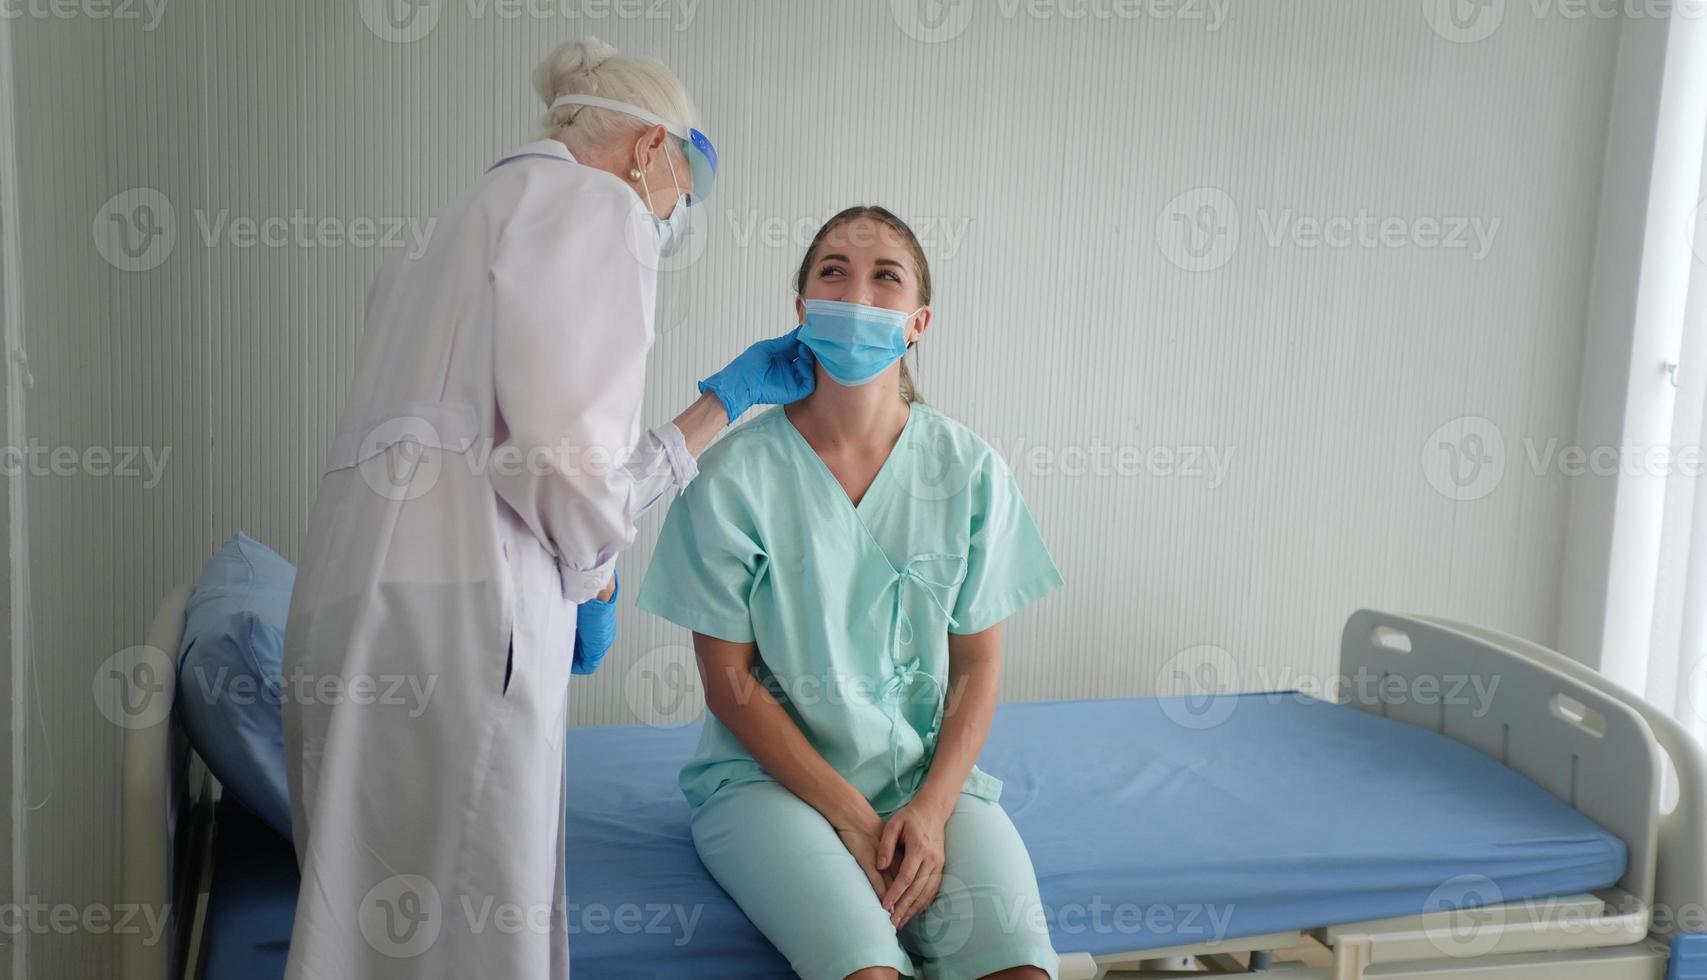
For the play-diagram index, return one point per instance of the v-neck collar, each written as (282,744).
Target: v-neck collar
(877,482)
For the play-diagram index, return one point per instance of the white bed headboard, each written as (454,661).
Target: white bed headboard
(1573,732)
(164,816)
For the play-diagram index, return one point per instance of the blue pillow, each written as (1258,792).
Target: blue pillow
(229,669)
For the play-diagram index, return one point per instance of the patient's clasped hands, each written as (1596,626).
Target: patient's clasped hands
(902,857)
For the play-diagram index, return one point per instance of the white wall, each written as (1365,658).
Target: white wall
(1042,158)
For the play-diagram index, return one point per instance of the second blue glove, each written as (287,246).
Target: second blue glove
(595,630)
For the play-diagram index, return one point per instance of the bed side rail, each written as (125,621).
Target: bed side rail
(1578,737)
(1680,878)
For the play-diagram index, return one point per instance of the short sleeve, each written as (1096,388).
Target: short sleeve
(1007,565)
(703,568)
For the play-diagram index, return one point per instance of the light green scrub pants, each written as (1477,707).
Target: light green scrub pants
(785,866)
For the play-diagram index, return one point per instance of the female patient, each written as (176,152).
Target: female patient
(845,564)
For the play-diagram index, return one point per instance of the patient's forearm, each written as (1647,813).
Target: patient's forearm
(974,680)
(767,731)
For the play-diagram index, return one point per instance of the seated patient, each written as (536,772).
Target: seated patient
(845,564)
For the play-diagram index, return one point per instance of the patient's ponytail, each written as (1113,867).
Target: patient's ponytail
(922,268)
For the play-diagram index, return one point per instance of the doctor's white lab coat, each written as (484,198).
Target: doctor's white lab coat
(488,468)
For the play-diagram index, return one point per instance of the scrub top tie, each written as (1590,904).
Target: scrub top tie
(902,674)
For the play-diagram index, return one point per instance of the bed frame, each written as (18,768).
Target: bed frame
(1591,743)
(165,826)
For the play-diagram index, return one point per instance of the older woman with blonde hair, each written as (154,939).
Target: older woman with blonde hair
(487,469)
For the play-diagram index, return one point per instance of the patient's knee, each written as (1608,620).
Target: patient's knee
(875,973)
(1018,973)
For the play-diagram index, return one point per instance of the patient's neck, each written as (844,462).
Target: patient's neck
(869,416)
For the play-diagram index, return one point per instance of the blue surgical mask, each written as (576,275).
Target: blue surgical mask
(672,231)
(855,343)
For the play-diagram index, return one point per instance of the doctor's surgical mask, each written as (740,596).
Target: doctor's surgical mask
(672,231)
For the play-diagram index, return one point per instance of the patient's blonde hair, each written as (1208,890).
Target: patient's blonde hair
(592,67)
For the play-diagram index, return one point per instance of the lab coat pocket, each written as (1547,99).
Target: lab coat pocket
(507,617)
(417,428)
(509,663)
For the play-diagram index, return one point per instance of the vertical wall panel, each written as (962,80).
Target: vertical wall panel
(1037,153)
(8,654)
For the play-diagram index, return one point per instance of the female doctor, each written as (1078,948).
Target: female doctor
(487,469)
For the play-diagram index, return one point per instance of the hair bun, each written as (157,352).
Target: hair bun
(557,74)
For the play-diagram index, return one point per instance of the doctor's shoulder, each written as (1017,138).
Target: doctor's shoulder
(562,193)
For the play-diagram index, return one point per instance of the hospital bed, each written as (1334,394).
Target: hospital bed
(1511,828)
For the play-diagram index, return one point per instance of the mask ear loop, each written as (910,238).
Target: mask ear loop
(681,199)
(913,348)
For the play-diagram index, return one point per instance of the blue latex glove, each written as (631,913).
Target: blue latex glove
(771,372)
(595,630)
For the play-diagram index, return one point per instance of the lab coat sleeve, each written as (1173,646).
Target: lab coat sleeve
(1007,565)
(572,326)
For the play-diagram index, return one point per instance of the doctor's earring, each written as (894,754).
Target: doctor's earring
(633,173)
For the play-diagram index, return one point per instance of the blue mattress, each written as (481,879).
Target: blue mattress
(1147,827)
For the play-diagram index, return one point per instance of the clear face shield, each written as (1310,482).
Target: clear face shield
(696,147)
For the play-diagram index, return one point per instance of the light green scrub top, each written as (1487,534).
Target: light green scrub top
(850,607)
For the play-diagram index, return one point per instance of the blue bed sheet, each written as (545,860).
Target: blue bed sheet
(1151,823)
(252,898)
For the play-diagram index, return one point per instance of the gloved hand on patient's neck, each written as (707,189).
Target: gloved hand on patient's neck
(771,372)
